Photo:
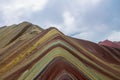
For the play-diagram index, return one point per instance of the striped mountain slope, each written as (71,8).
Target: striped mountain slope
(28,52)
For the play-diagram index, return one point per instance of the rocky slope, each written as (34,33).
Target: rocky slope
(28,52)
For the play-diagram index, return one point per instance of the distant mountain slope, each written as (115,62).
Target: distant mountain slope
(110,43)
(28,52)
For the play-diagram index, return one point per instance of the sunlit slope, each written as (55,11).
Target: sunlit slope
(28,52)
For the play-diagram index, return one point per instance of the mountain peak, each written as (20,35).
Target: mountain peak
(109,43)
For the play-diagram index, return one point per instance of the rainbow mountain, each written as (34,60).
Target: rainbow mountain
(28,52)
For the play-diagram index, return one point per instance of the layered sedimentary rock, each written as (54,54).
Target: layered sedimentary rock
(28,52)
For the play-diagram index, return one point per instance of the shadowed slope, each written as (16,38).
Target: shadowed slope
(36,54)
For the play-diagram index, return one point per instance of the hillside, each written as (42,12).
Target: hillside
(28,52)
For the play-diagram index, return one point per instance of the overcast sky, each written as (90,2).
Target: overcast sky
(93,20)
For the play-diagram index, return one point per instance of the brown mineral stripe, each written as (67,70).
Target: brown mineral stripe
(58,65)
(19,34)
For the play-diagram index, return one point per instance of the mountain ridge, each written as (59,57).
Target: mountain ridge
(114,44)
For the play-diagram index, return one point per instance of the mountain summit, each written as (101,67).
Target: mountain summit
(28,52)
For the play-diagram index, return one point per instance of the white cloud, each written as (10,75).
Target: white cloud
(114,36)
(14,10)
(74,12)
(89,2)
(68,19)
(83,6)
(68,22)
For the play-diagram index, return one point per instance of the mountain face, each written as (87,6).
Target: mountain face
(28,52)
